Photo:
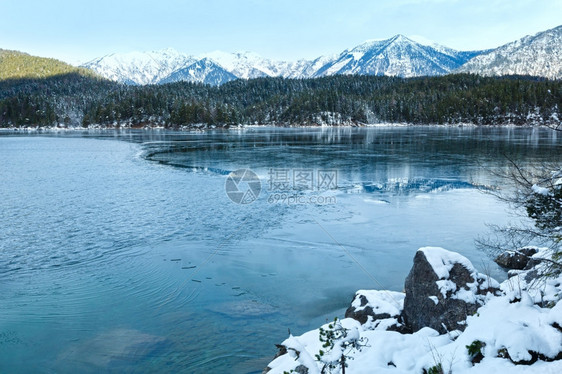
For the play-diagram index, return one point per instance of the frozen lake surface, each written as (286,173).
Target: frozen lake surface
(120,251)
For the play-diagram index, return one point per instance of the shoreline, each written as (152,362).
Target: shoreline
(203,128)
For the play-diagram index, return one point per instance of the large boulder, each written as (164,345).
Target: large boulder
(442,289)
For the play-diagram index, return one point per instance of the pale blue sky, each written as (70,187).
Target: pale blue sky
(77,31)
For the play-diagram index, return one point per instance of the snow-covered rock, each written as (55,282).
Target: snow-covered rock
(442,289)
(535,281)
(517,259)
(378,310)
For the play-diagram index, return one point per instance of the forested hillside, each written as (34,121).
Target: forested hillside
(15,65)
(78,100)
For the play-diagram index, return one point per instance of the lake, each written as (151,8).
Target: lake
(121,251)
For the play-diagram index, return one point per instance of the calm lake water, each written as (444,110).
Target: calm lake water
(121,252)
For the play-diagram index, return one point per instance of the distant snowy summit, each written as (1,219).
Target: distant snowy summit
(397,56)
(140,67)
(538,55)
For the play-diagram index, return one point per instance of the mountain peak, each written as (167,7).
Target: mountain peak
(377,44)
(169,50)
(400,38)
(396,56)
(204,70)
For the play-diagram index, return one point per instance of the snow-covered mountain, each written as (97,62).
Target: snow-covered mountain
(538,55)
(202,71)
(397,56)
(140,67)
(247,65)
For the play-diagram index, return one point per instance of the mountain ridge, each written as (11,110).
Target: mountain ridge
(396,56)
(534,55)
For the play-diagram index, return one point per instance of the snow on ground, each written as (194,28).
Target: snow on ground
(523,324)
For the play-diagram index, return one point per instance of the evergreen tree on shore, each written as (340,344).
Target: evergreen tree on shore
(78,99)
